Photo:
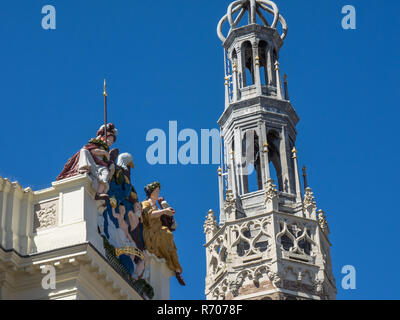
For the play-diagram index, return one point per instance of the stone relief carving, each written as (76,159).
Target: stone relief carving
(45,215)
(230,199)
(275,278)
(309,204)
(254,274)
(300,274)
(319,286)
(270,191)
(271,196)
(219,293)
(230,205)
(323,223)
(236,284)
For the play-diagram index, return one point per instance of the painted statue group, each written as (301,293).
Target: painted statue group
(134,229)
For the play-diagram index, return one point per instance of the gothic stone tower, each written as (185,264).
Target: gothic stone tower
(271,242)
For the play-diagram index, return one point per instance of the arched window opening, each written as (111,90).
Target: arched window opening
(234,57)
(247,64)
(262,54)
(273,141)
(229,74)
(273,174)
(252,178)
(249,78)
(234,64)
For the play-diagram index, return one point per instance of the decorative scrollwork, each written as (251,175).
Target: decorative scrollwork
(242,6)
(275,278)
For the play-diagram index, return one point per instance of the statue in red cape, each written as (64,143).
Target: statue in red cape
(94,159)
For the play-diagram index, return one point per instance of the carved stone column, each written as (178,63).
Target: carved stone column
(278,81)
(236,91)
(296,175)
(256,67)
(222,217)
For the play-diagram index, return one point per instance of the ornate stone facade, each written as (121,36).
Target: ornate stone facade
(271,243)
(58,227)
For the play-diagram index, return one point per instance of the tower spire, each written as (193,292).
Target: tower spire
(269,243)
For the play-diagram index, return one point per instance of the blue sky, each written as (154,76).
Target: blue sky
(163,61)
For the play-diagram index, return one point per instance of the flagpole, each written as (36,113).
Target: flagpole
(105,111)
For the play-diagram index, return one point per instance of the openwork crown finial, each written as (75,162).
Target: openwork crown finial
(254,8)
